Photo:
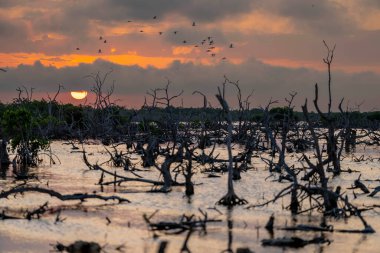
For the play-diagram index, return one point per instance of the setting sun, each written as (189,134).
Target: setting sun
(79,94)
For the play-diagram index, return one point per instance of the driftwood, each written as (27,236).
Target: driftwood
(115,175)
(303,227)
(244,250)
(374,192)
(293,242)
(64,197)
(359,185)
(185,223)
(78,247)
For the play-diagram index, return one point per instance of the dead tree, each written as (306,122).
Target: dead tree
(243,109)
(166,98)
(24,98)
(100,120)
(188,172)
(331,138)
(329,203)
(4,157)
(281,164)
(230,199)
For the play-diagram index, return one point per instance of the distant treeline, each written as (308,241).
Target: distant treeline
(53,120)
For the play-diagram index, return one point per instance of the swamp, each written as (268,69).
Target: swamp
(102,178)
(140,137)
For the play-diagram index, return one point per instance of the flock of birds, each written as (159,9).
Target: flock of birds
(207,44)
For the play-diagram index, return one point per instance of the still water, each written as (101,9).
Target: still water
(111,224)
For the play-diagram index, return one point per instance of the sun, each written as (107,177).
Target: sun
(79,94)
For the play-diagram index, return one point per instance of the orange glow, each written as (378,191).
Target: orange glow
(259,22)
(72,60)
(182,50)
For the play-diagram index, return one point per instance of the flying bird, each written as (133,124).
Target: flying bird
(129,21)
(155,17)
(213,55)
(99,51)
(193,23)
(77,49)
(175,32)
(160,33)
(224,58)
(184,41)
(105,41)
(141,31)
(100,38)
(3,70)
(231,46)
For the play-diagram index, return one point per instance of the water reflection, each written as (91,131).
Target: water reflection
(230,226)
(86,221)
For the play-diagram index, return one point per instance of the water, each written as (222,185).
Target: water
(87,221)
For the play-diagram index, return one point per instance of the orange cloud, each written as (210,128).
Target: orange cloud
(13,60)
(182,50)
(259,22)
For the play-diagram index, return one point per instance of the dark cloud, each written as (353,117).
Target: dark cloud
(81,22)
(199,10)
(267,81)
(370,3)
(11,32)
(323,17)
(78,21)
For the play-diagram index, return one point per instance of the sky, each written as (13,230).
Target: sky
(271,47)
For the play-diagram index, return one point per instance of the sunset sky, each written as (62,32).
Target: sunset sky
(271,46)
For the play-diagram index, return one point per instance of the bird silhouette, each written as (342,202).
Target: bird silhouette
(141,31)
(193,23)
(129,21)
(100,38)
(213,55)
(105,41)
(231,45)
(155,17)
(224,58)
(175,32)
(184,42)
(3,70)
(99,51)
(77,49)
(160,33)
